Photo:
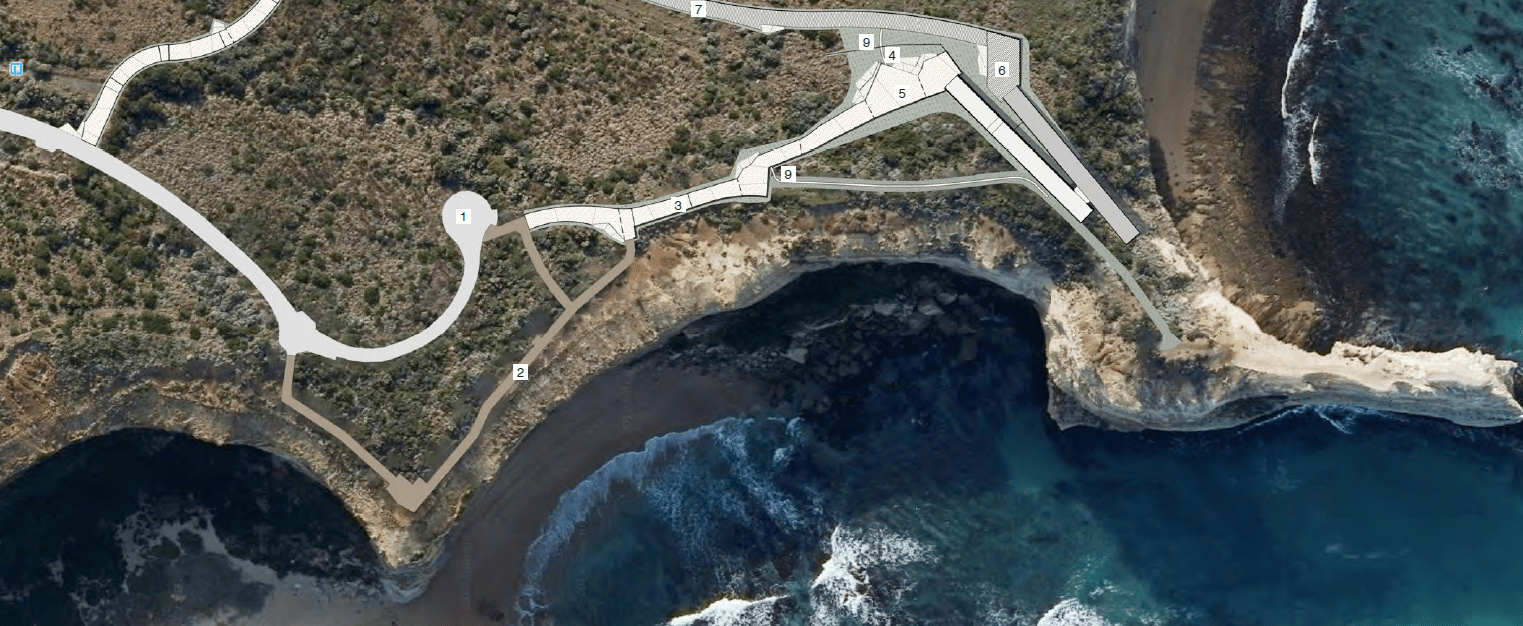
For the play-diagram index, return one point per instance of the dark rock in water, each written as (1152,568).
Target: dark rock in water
(148,527)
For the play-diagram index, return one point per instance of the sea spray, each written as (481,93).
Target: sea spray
(1313,146)
(843,588)
(731,612)
(1071,612)
(730,466)
(1298,53)
(575,505)
(1297,118)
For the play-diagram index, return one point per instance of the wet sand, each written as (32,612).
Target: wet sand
(1169,38)
(621,409)
(617,412)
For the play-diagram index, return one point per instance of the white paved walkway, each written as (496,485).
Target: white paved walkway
(220,37)
(882,90)
(298,333)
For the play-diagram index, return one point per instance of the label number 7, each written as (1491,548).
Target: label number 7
(698,9)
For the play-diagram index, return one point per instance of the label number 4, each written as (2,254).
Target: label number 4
(891,55)
(698,9)
(521,371)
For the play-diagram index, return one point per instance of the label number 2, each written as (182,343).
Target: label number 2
(521,371)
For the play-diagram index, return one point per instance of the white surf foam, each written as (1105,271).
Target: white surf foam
(575,505)
(1071,612)
(1298,52)
(1312,146)
(842,589)
(1298,117)
(730,612)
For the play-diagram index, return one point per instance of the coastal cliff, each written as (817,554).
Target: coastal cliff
(1104,365)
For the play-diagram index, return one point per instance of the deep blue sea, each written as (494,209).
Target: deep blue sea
(945,497)
(1420,106)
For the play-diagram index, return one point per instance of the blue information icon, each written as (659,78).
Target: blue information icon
(17,68)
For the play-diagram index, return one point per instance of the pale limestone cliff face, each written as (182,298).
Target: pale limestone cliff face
(1225,373)
(1228,371)
(1103,371)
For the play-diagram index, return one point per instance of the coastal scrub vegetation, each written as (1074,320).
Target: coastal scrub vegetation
(325,143)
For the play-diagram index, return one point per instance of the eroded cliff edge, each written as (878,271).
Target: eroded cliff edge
(1103,364)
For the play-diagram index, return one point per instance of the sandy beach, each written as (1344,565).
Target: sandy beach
(616,412)
(621,409)
(1169,36)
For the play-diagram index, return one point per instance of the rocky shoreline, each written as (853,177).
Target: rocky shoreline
(1255,341)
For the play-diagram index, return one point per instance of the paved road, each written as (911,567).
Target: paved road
(220,38)
(469,220)
(298,333)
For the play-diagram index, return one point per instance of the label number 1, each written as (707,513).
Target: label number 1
(463,217)
(698,9)
(521,371)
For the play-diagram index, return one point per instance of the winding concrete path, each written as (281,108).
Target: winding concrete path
(884,89)
(298,333)
(411,494)
(221,37)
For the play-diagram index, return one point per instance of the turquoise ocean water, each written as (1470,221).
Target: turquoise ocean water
(950,499)
(1415,109)
(942,495)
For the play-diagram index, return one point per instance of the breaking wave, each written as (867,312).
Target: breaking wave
(1295,110)
(714,464)
(842,593)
